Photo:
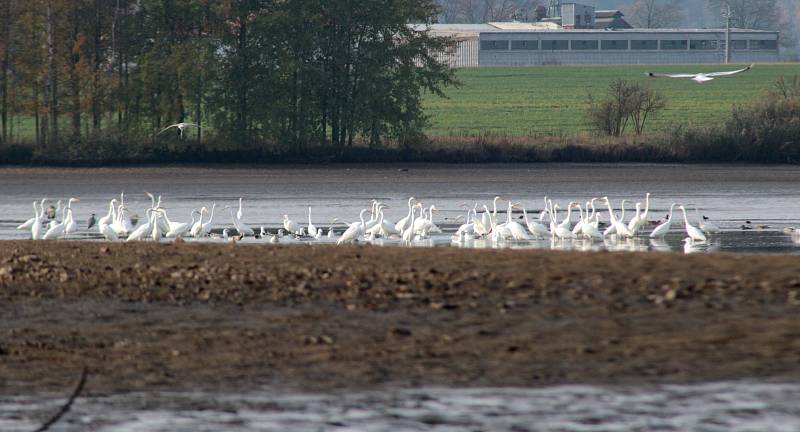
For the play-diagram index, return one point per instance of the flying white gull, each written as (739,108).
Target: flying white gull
(699,77)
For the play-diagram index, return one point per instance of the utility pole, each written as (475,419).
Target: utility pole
(727,15)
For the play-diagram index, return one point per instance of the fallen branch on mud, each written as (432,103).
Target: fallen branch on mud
(65,408)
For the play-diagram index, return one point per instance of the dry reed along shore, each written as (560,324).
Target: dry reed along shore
(228,317)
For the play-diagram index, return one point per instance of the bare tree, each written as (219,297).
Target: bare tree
(626,102)
(750,14)
(657,13)
(483,11)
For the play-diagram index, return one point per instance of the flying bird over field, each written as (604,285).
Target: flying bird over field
(181,126)
(699,77)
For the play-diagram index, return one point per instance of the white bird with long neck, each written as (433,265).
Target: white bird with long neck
(291,226)
(70,226)
(494,211)
(198,225)
(588,230)
(181,126)
(312,230)
(401,225)
(663,229)
(156,233)
(144,228)
(36,227)
(408,234)
(109,218)
(29,223)
(535,228)
(206,229)
(640,220)
(561,231)
(694,233)
(636,222)
(620,228)
(178,229)
(514,228)
(355,230)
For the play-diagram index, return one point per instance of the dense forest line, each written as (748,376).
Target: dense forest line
(98,79)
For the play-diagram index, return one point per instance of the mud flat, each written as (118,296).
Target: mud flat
(319,318)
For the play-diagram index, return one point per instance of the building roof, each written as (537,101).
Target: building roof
(525,25)
(644,30)
(608,14)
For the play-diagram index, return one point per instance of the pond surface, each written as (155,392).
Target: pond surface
(766,196)
(723,407)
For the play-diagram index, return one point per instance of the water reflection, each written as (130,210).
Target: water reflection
(724,406)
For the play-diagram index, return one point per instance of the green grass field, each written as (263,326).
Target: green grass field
(552,100)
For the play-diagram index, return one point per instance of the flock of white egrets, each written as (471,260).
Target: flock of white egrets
(56,222)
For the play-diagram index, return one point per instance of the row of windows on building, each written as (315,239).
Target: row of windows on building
(680,44)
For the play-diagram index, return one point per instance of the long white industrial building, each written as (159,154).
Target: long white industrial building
(523,44)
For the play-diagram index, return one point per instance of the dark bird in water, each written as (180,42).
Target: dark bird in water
(134,219)
(705,217)
(92,221)
(51,213)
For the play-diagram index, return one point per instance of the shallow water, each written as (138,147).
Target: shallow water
(767,196)
(727,406)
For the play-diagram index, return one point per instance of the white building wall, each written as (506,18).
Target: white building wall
(595,54)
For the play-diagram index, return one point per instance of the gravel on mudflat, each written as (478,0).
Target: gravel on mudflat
(226,316)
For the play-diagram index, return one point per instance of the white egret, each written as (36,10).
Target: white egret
(107,232)
(36,227)
(143,229)
(206,229)
(694,233)
(699,78)
(181,126)
(197,227)
(588,230)
(515,229)
(29,223)
(619,226)
(312,230)
(354,231)
(400,226)
(179,229)
(535,228)
(291,226)
(663,229)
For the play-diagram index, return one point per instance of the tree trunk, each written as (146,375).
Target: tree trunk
(6,47)
(52,80)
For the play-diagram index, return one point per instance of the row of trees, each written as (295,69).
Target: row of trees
(287,73)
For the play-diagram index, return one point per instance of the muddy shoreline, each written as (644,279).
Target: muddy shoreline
(321,318)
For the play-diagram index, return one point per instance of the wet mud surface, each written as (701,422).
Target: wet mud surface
(319,318)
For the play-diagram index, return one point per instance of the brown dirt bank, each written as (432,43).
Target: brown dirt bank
(189,316)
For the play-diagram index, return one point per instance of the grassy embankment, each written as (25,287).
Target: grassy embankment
(552,100)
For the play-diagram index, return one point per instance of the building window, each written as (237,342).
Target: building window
(763,44)
(673,44)
(494,45)
(584,44)
(703,45)
(555,45)
(739,45)
(644,44)
(525,45)
(614,44)
(577,20)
